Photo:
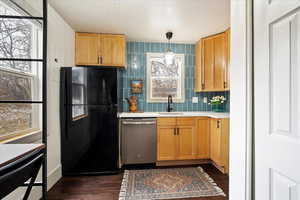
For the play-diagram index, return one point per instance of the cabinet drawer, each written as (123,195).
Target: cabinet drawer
(166,121)
(186,121)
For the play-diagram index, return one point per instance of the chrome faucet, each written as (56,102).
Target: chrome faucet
(170,101)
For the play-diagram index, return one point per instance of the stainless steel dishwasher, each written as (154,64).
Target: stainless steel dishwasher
(138,140)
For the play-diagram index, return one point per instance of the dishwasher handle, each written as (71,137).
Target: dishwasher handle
(138,123)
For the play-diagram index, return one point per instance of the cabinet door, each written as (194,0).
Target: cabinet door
(87,51)
(224,160)
(198,67)
(203,138)
(113,50)
(207,72)
(186,142)
(220,59)
(227,69)
(215,141)
(166,143)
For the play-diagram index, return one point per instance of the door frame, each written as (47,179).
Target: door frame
(241,102)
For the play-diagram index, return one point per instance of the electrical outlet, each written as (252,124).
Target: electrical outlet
(205,100)
(195,100)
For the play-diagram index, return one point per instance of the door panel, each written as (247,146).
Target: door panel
(166,143)
(277,94)
(113,50)
(203,138)
(215,141)
(227,68)
(208,63)
(87,49)
(186,142)
(219,61)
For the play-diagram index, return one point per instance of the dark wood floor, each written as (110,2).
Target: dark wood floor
(107,187)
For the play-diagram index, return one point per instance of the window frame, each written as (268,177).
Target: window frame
(36,80)
(181,96)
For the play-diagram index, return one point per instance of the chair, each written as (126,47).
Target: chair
(18,172)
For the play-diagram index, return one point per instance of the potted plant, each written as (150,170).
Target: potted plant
(217,103)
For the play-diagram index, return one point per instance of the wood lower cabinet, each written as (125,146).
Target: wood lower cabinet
(186,142)
(100,49)
(176,139)
(166,143)
(219,143)
(203,138)
(193,138)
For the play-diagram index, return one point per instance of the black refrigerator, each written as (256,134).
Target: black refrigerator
(89,126)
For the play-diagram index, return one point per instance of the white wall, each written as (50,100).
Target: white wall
(240,102)
(61,45)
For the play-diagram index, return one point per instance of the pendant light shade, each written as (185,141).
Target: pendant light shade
(169,55)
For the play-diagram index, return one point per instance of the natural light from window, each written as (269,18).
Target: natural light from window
(19,80)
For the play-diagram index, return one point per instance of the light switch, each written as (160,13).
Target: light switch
(204,99)
(195,100)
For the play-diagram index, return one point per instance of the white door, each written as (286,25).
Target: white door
(277,99)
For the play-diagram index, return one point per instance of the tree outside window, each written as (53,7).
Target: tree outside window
(18,39)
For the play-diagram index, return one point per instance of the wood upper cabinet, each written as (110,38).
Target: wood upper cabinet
(227,71)
(219,142)
(203,138)
(87,52)
(100,49)
(176,139)
(113,50)
(211,72)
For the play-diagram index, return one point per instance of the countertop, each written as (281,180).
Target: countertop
(172,114)
(11,152)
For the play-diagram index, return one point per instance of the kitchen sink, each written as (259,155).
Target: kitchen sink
(171,113)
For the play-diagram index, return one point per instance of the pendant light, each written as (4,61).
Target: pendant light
(169,55)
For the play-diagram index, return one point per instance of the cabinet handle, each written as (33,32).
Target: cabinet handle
(218,124)
(225,84)
(101,60)
(98,59)
(203,86)
(177,131)
(174,131)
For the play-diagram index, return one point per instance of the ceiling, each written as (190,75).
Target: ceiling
(147,20)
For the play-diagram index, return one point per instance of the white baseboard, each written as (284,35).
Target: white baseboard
(54,176)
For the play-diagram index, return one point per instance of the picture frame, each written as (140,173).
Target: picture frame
(164,80)
(136,86)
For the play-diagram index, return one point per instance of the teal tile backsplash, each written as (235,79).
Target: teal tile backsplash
(136,69)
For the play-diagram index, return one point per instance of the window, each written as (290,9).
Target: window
(164,80)
(19,80)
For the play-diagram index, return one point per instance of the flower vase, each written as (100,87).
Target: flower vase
(217,108)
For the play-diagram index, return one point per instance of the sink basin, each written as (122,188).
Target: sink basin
(171,113)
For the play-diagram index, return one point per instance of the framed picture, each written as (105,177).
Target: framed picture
(164,80)
(136,86)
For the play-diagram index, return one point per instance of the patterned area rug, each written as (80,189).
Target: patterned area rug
(167,184)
